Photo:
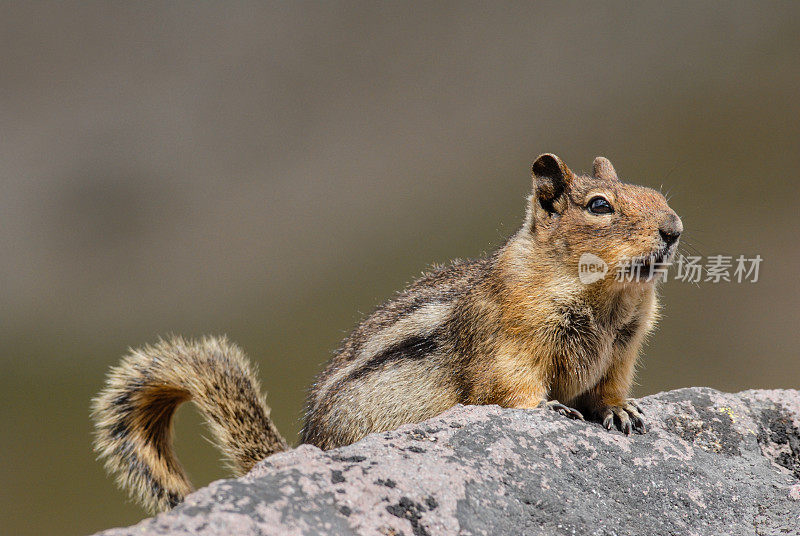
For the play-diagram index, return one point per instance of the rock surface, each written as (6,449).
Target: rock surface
(711,463)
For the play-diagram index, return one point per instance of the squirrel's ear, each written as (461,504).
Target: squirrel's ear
(551,178)
(604,170)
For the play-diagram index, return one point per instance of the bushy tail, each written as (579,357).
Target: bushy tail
(133,414)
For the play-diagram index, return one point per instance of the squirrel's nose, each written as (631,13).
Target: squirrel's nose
(671,229)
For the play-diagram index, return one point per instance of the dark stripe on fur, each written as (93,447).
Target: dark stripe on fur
(412,348)
(626,333)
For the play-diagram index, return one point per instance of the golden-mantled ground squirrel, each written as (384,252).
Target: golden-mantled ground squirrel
(517,328)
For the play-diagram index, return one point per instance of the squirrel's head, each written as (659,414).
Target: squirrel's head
(600,219)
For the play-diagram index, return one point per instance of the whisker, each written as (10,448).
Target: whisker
(673,168)
(689,248)
(694,242)
(687,242)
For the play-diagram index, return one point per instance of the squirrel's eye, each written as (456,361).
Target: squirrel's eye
(599,205)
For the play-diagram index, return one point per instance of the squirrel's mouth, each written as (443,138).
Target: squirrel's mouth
(647,268)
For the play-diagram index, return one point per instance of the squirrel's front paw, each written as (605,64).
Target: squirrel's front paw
(628,416)
(567,411)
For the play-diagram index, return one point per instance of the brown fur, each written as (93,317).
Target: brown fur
(516,328)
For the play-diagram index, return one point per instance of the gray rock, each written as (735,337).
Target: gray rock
(711,463)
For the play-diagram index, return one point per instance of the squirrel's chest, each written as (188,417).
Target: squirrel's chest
(558,361)
(578,358)
(564,353)
(583,349)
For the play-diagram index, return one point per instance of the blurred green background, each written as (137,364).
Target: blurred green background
(273,171)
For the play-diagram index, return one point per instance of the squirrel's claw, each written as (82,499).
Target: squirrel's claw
(628,415)
(566,411)
(635,404)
